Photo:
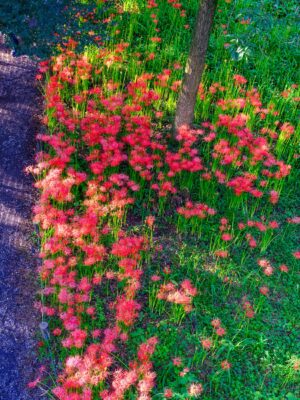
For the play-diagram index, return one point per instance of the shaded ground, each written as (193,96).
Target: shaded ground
(18,321)
(33,23)
(36,27)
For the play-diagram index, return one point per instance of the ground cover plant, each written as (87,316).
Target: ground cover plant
(169,263)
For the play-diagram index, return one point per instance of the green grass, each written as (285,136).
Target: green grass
(262,350)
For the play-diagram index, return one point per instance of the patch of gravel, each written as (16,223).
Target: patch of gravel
(18,319)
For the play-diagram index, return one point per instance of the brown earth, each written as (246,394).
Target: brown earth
(19,108)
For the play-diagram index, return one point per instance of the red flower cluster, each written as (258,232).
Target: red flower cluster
(198,210)
(249,312)
(102,148)
(266,266)
(182,295)
(219,330)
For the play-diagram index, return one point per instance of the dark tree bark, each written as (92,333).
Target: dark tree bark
(195,64)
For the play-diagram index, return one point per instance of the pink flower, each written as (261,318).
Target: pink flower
(195,389)
(294,220)
(264,290)
(268,271)
(263,263)
(79,336)
(273,225)
(221,253)
(96,333)
(155,278)
(239,79)
(177,361)
(155,39)
(225,365)
(274,196)
(184,371)
(33,384)
(188,288)
(284,268)
(250,312)
(168,393)
(226,237)
(206,343)
(220,331)
(216,323)
(127,310)
(296,254)
(57,332)
(150,221)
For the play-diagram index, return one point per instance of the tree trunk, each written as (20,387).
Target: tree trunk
(195,64)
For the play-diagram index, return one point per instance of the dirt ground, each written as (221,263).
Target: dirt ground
(19,321)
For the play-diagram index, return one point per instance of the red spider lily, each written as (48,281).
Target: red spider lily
(168,393)
(196,210)
(195,389)
(225,365)
(249,312)
(294,220)
(220,331)
(206,343)
(221,253)
(126,310)
(264,290)
(183,296)
(177,361)
(239,79)
(296,254)
(129,246)
(216,323)
(284,268)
